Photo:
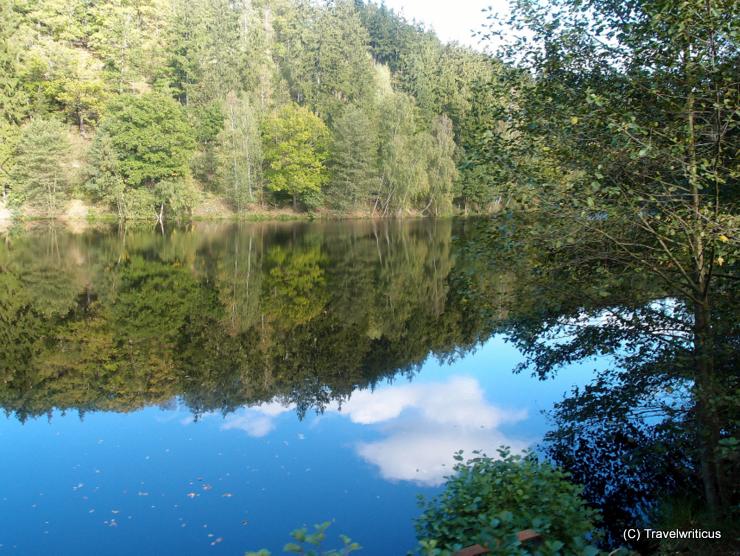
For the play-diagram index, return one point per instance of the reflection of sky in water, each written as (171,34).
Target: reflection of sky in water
(154,482)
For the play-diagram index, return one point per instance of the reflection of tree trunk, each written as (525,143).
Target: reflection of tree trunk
(52,197)
(706,409)
(249,266)
(377,242)
(234,280)
(160,217)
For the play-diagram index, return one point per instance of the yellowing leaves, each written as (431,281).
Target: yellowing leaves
(574,120)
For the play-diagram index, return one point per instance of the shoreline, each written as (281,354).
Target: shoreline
(93,215)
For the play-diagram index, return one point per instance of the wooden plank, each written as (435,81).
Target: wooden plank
(475,550)
(528,536)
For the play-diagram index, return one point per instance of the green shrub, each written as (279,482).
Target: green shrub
(179,196)
(309,544)
(488,501)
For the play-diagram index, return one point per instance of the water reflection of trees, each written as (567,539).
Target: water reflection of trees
(221,316)
(305,314)
(633,435)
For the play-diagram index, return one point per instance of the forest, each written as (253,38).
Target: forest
(174,108)
(604,134)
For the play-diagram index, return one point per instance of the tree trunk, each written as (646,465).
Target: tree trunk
(706,409)
(704,381)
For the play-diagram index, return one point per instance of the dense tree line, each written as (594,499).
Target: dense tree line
(333,104)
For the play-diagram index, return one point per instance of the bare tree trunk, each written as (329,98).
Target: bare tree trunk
(160,217)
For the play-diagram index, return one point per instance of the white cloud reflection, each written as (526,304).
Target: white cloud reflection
(421,426)
(425,424)
(256,421)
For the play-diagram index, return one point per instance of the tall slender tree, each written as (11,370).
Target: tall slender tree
(240,152)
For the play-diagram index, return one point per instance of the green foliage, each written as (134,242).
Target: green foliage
(127,38)
(208,122)
(417,166)
(389,33)
(354,160)
(9,138)
(632,116)
(12,98)
(66,79)
(151,137)
(200,32)
(441,167)
(490,152)
(115,65)
(39,176)
(138,204)
(487,501)
(139,161)
(179,196)
(239,152)
(296,143)
(105,182)
(295,285)
(418,71)
(309,544)
(324,56)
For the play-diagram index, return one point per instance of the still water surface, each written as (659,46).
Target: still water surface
(209,389)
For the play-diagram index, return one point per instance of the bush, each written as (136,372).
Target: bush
(488,501)
(139,204)
(309,544)
(179,196)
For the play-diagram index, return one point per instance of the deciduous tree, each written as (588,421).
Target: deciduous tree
(295,142)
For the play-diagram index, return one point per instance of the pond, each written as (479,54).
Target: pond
(208,389)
